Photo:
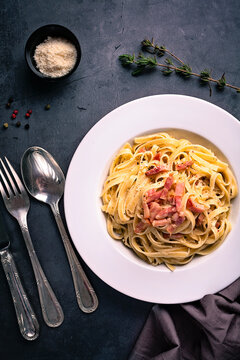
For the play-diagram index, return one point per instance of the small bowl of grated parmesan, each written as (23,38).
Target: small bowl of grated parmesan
(52,52)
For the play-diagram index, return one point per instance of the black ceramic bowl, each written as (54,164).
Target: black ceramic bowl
(41,34)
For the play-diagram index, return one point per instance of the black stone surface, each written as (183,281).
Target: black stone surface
(203,33)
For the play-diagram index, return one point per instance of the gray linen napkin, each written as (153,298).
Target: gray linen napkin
(208,329)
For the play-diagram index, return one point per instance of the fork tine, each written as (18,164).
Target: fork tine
(6,185)
(9,177)
(15,175)
(2,191)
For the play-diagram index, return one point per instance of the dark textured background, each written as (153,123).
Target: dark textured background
(203,33)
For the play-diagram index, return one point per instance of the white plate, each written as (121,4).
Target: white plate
(110,259)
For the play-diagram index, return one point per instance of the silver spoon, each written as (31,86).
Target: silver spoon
(45,181)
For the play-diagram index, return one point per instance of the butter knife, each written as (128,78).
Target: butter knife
(26,317)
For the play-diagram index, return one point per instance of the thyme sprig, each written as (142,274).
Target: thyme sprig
(168,67)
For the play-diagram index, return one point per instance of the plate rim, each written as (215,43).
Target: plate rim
(68,186)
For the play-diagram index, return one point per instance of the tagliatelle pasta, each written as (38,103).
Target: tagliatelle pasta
(168,199)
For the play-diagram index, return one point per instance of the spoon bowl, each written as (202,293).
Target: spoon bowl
(42,175)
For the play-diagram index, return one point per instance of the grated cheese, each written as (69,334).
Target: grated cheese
(55,57)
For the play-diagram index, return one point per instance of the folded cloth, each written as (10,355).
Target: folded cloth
(208,329)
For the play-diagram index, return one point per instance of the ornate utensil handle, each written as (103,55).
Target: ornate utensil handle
(26,318)
(51,309)
(86,296)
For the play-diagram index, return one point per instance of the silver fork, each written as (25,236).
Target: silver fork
(17,203)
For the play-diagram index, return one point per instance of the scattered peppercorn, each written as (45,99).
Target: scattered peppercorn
(47,107)
(29,112)
(15,112)
(8,105)
(10,100)
(5,125)
(18,124)
(27,126)
(27,115)
(14,116)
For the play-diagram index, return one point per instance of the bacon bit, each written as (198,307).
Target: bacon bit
(200,219)
(166,188)
(141,226)
(152,195)
(184,165)
(146,221)
(157,169)
(142,149)
(161,222)
(154,210)
(146,210)
(178,218)
(168,182)
(194,206)
(179,191)
(217,224)
(163,213)
(149,193)
(166,236)
(157,156)
(171,200)
(175,216)
(178,203)
(163,194)
(171,228)
(176,236)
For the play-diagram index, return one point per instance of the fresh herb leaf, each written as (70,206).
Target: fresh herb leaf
(146,61)
(168,61)
(126,59)
(221,82)
(184,70)
(205,75)
(138,71)
(167,72)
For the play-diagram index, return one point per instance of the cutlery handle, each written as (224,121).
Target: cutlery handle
(51,309)
(26,318)
(86,296)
